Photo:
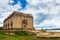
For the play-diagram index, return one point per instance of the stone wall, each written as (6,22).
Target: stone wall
(18,21)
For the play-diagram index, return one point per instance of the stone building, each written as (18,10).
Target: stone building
(18,21)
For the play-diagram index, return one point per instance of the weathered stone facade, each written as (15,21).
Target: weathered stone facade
(18,21)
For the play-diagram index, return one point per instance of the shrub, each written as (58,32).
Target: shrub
(2,33)
(21,33)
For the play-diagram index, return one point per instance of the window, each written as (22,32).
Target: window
(11,24)
(24,21)
(8,24)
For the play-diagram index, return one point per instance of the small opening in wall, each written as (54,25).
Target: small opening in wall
(11,24)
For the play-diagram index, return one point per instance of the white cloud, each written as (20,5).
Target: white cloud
(11,1)
(5,6)
(6,9)
(51,7)
(58,1)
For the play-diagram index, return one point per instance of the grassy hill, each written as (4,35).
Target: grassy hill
(22,36)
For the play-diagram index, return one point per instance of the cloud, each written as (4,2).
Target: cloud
(23,3)
(46,13)
(6,9)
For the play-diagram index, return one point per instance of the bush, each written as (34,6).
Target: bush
(2,33)
(21,33)
(0,28)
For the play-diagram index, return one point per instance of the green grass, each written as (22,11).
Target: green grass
(16,37)
(25,37)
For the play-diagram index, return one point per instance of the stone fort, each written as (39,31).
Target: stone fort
(18,21)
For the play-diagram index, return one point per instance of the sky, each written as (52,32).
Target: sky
(46,13)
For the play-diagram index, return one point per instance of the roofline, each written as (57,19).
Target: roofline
(15,13)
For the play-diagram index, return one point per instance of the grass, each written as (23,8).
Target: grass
(15,37)
(23,36)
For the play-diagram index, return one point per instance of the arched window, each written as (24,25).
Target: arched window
(8,24)
(24,21)
(11,24)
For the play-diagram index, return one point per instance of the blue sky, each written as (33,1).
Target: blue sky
(22,2)
(46,13)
